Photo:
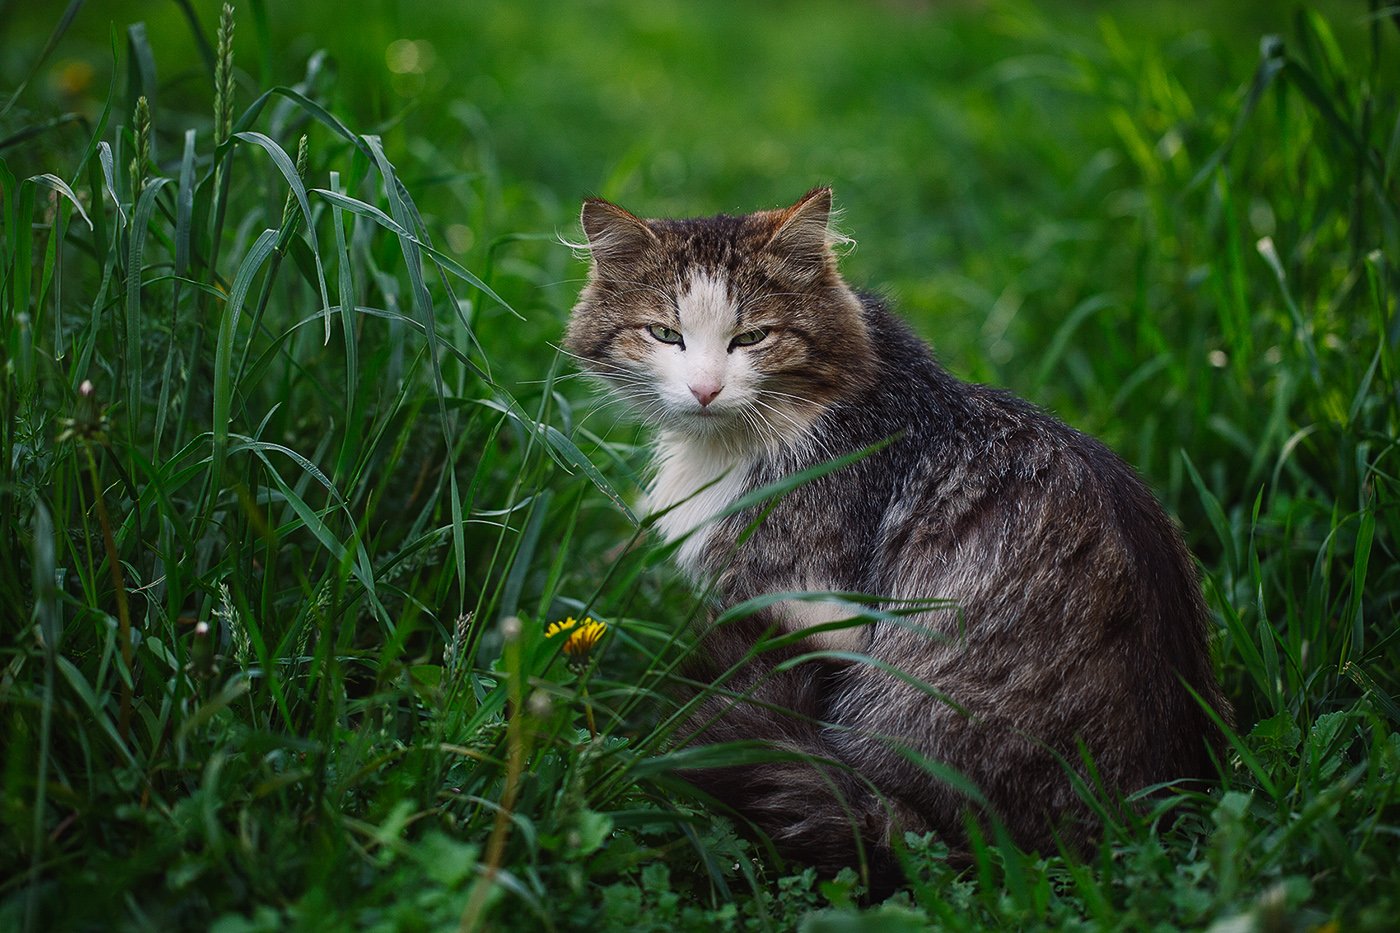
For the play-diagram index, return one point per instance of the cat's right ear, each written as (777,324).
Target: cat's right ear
(614,235)
(802,233)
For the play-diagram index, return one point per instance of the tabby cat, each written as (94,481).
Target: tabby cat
(1070,630)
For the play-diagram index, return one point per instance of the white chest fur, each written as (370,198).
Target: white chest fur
(694,482)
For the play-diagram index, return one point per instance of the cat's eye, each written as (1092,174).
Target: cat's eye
(749,338)
(664,334)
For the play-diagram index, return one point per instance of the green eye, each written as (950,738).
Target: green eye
(749,338)
(664,333)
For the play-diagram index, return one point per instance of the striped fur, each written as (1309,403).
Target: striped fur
(1071,613)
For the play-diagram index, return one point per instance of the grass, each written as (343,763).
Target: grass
(292,479)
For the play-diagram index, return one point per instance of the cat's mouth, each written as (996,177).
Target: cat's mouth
(703,416)
(705,420)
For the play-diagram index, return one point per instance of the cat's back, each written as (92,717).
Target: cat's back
(986,495)
(1071,608)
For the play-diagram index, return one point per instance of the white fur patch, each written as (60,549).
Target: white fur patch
(695,481)
(801,614)
(707,326)
(705,309)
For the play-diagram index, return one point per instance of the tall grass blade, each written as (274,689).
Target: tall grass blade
(224,388)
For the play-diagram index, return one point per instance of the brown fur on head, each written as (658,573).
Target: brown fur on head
(715,283)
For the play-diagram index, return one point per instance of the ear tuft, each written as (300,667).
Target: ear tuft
(614,234)
(802,232)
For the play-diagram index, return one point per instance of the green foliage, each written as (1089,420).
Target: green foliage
(291,478)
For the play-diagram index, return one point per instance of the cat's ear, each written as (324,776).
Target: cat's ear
(801,234)
(614,235)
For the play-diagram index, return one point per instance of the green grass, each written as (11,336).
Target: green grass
(274,589)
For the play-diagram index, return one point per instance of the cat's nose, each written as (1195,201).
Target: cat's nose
(705,392)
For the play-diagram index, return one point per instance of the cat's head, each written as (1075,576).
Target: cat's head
(736,329)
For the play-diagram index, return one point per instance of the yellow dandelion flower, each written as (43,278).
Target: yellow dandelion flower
(561,626)
(582,642)
(583,636)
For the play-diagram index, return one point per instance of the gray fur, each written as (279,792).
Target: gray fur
(1074,612)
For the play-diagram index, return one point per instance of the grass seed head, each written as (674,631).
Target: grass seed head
(141,131)
(223,78)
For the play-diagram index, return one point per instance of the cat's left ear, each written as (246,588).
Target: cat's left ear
(802,232)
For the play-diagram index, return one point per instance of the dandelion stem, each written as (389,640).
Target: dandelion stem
(588,710)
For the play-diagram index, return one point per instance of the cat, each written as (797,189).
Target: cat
(1070,625)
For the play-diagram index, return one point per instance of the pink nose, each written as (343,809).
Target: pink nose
(705,392)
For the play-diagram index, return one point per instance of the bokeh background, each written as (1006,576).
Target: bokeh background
(974,146)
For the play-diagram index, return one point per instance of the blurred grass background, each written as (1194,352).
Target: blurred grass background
(976,148)
(1174,224)
(965,139)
